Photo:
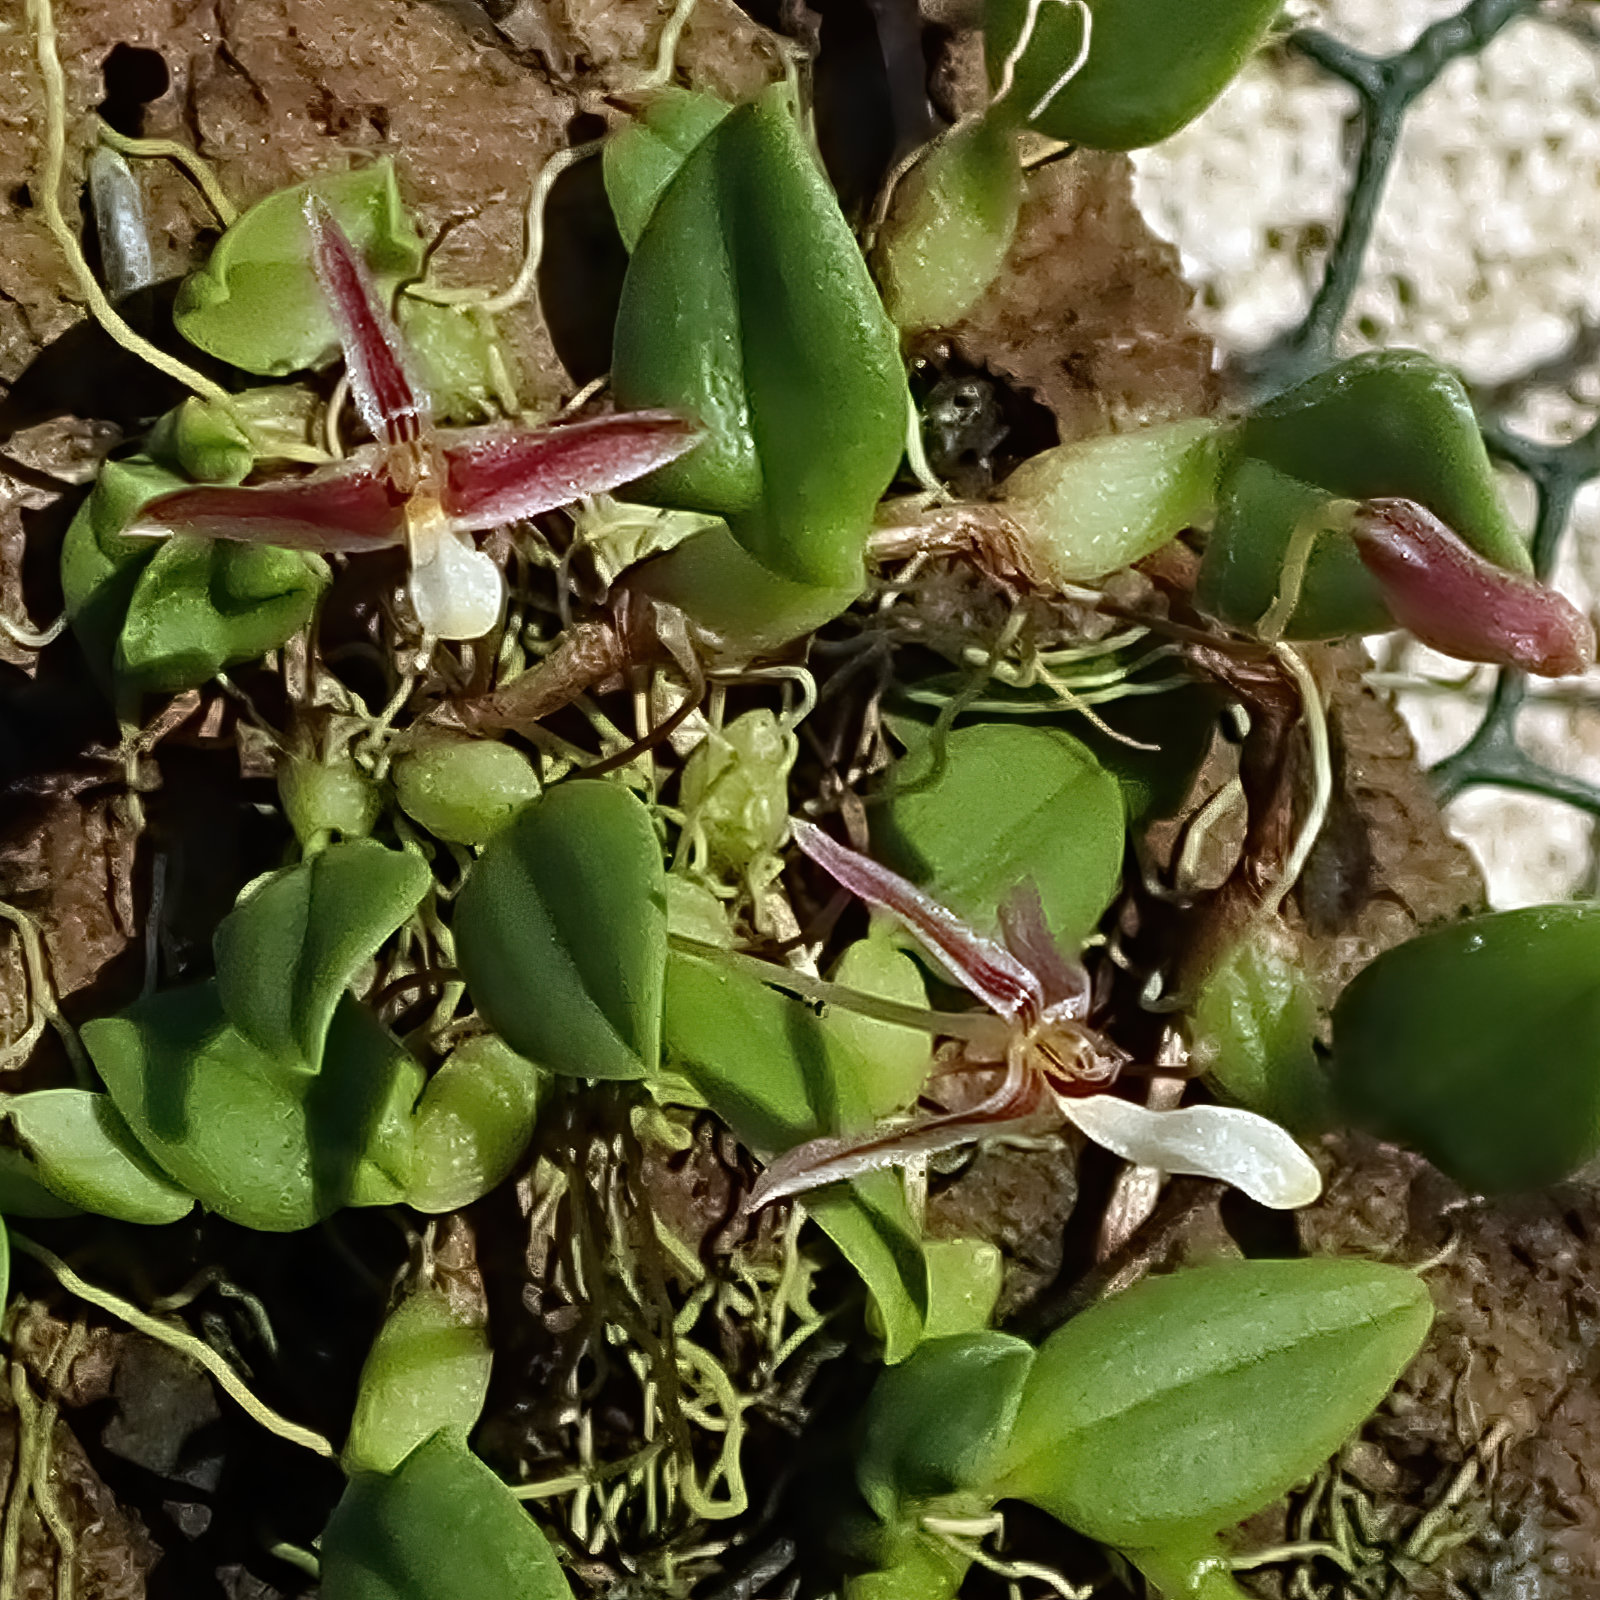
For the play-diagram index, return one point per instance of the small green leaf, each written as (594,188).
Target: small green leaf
(935,1424)
(1008,803)
(871,1223)
(1190,1401)
(915,1567)
(1479,1043)
(473,1124)
(23,1192)
(1190,1569)
(1253,1028)
(203,442)
(1151,66)
(287,952)
(890,1062)
(463,790)
(965,1277)
(950,226)
(561,933)
(643,156)
(748,307)
(200,605)
(734,791)
(459,359)
(264,1148)
(1085,509)
(441,1527)
(327,797)
(257,303)
(86,1154)
(427,1372)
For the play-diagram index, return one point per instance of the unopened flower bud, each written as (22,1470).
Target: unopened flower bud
(1440,589)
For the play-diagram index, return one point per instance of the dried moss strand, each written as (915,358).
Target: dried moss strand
(41,20)
(198,170)
(175,1338)
(1315,719)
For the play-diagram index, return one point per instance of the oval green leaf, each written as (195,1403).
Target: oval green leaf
(442,1527)
(747,306)
(257,303)
(267,1148)
(935,1424)
(1008,803)
(427,1372)
(1152,65)
(472,1125)
(287,952)
(643,156)
(1190,1401)
(85,1153)
(1479,1044)
(561,933)
(463,790)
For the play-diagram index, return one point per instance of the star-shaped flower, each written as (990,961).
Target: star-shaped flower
(429,488)
(1056,1066)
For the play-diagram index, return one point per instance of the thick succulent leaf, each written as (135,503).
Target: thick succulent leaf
(643,156)
(427,1372)
(561,933)
(1477,1043)
(893,1061)
(472,1125)
(1008,803)
(287,952)
(23,1192)
(748,307)
(951,223)
(870,1222)
(257,302)
(935,1424)
(1088,508)
(965,1277)
(198,607)
(441,1527)
(263,1148)
(1152,65)
(1252,1031)
(85,1153)
(202,441)
(463,790)
(1190,1401)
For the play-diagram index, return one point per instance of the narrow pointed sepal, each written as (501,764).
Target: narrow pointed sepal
(500,473)
(1254,1155)
(352,505)
(981,966)
(1439,588)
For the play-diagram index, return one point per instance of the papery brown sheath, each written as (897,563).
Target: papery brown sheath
(423,486)
(1440,589)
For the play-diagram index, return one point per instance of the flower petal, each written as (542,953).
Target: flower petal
(1028,937)
(981,966)
(352,505)
(1239,1147)
(1439,588)
(392,406)
(502,472)
(1020,1105)
(458,592)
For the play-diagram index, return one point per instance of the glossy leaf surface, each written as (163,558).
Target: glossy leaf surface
(442,1527)
(748,307)
(1152,65)
(935,1424)
(257,304)
(86,1154)
(561,933)
(199,606)
(463,790)
(643,156)
(1086,509)
(1479,1043)
(1190,1401)
(262,1146)
(951,223)
(287,952)
(427,1372)
(1009,803)
(472,1125)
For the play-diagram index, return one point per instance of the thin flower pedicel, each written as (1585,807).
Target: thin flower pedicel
(1056,1066)
(426,487)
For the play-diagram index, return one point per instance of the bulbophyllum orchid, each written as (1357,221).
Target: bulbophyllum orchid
(1056,1066)
(426,487)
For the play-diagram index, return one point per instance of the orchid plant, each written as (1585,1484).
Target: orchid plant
(1055,1065)
(426,487)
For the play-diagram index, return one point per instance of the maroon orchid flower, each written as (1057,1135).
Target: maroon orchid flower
(425,487)
(1056,1066)
(1440,589)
